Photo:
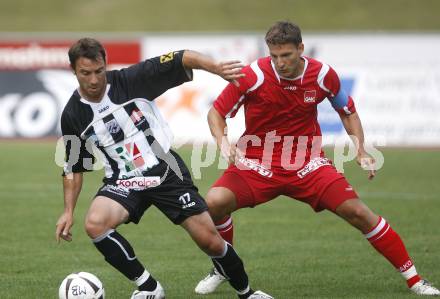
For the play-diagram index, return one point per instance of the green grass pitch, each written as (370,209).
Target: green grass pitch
(289,251)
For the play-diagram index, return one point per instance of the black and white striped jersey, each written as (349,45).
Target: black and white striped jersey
(126,126)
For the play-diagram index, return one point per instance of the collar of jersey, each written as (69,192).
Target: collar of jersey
(306,63)
(85,101)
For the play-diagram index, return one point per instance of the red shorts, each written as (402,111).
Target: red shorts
(322,187)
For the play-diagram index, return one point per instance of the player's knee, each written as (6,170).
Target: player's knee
(209,241)
(351,210)
(95,225)
(214,246)
(218,204)
(355,213)
(358,215)
(213,198)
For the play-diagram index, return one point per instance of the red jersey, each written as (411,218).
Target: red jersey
(278,111)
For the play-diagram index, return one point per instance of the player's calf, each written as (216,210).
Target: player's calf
(231,267)
(388,243)
(118,252)
(225,228)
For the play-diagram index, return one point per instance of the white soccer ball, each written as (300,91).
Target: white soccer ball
(81,285)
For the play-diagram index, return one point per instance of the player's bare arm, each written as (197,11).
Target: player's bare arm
(72,184)
(219,130)
(353,127)
(228,70)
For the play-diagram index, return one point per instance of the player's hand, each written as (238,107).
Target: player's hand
(64,224)
(230,71)
(230,152)
(367,163)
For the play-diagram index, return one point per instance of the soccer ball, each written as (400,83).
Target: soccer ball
(81,285)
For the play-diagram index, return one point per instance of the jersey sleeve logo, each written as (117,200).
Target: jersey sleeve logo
(167,57)
(310,96)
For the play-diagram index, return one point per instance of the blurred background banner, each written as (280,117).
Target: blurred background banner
(33,54)
(395,90)
(392,77)
(36,83)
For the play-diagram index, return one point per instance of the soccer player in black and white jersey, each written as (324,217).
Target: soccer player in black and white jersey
(114,110)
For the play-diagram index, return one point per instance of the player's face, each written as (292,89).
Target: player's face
(91,78)
(287,59)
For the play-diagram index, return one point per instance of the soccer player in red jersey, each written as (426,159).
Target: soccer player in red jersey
(280,152)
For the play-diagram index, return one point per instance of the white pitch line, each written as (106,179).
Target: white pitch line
(398,195)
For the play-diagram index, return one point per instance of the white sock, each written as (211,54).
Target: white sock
(244,291)
(411,272)
(143,278)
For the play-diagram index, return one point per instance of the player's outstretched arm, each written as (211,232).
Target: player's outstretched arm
(228,70)
(72,184)
(353,126)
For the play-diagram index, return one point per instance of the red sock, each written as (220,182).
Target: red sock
(388,243)
(226,229)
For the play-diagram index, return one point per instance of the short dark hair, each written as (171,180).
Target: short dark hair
(86,47)
(283,32)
